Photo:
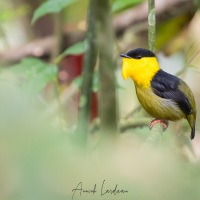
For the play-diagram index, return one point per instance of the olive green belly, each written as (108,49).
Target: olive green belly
(157,107)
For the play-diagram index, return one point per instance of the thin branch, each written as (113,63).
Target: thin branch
(57,35)
(55,52)
(152,25)
(134,123)
(123,125)
(132,112)
(157,129)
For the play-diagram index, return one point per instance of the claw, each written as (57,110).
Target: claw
(163,122)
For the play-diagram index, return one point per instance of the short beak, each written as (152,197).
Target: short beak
(124,56)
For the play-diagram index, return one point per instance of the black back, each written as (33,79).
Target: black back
(166,86)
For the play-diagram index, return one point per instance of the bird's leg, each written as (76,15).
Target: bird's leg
(163,122)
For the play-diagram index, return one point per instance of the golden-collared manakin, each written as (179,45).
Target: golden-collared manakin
(162,95)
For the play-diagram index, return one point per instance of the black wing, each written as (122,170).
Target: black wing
(166,86)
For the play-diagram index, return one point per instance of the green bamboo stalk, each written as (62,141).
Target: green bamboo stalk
(152,25)
(89,64)
(107,79)
(157,129)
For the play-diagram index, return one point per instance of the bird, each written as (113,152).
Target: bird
(163,95)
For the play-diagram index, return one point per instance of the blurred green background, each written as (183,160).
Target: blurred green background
(41,59)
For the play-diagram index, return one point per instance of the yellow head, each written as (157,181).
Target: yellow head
(141,65)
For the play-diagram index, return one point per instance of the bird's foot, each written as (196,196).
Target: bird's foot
(163,122)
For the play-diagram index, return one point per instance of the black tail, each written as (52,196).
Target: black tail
(192,133)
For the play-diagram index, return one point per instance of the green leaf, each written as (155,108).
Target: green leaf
(36,84)
(119,5)
(35,74)
(50,6)
(75,49)
(28,66)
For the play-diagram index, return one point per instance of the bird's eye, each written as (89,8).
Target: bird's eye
(138,57)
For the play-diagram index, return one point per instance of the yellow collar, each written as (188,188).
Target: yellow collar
(140,70)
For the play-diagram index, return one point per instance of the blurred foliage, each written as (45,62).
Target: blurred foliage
(75,49)
(51,6)
(55,6)
(71,17)
(33,74)
(197,3)
(119,5)
(7,14)
(175,25)
(39,161)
